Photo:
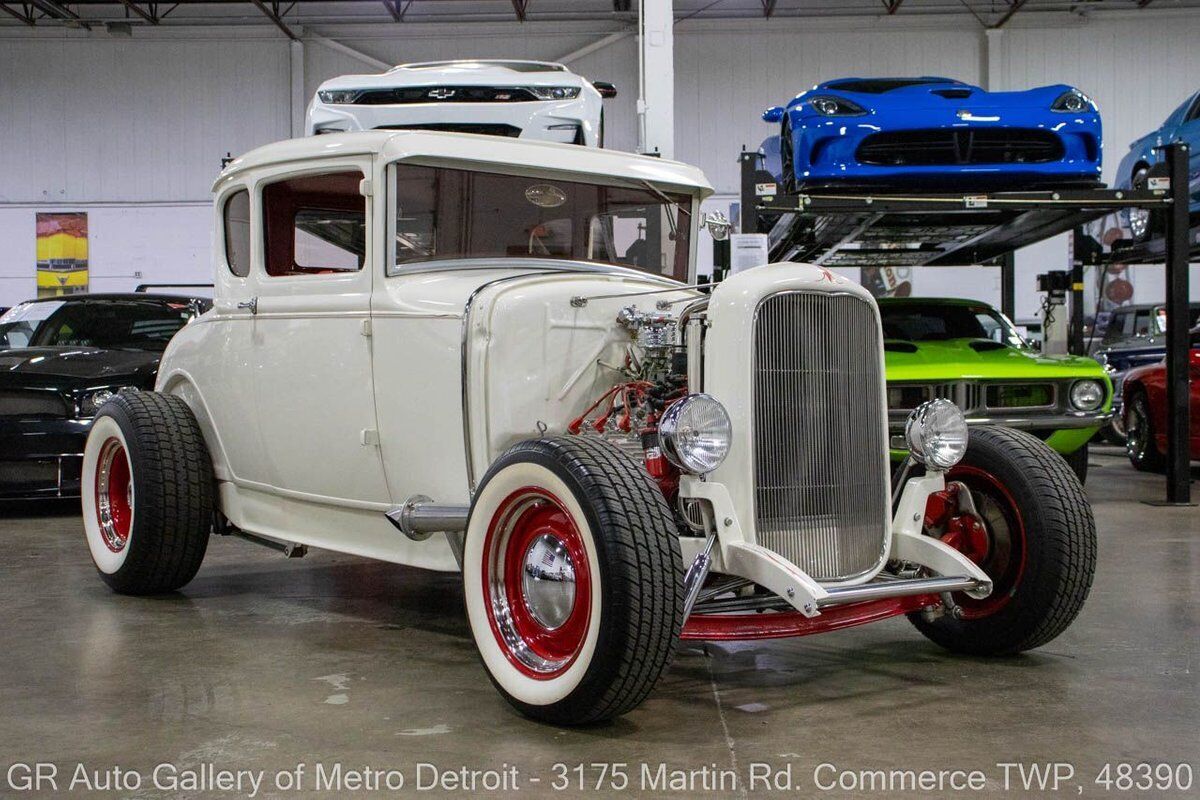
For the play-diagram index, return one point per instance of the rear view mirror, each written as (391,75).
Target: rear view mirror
(773,114)
(606,89)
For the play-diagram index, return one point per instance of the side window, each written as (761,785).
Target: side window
(1194,112)
(1141,325)
(237,233)
(315,224)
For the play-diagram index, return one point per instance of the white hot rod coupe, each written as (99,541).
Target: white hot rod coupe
(459,352)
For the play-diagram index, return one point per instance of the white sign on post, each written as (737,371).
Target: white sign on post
(747,250)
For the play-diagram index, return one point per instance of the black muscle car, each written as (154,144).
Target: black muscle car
(60,358)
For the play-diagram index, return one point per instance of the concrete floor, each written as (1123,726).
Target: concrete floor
(263,663)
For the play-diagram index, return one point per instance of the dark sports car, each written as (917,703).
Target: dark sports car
(935,133)
(60,358)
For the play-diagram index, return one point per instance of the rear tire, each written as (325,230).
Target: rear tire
(573,580)
(1141,444)
(147,493)
(1041,552)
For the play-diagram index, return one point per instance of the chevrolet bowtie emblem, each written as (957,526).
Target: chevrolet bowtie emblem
(441,94)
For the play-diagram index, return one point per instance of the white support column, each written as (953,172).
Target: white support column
(299,100)
(656,101)
(993,44)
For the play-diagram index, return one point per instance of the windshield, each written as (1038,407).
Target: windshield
(933,322)
(113,324)
(443,213)
(19,322)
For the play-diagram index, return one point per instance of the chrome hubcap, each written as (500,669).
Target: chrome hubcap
(548,582)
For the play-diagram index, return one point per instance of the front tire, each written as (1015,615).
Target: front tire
(1143,222)
(1078,462)
(1040,550)
(147,493)
(787,159)
(573,580)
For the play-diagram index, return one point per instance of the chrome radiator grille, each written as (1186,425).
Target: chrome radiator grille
(819,450)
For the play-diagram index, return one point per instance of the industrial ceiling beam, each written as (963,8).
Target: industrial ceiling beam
(274,16)
(768,7)
(892,6)
(55,10)
(392,9)
(1013,7)
(519,7)
(26,17)
(141,12)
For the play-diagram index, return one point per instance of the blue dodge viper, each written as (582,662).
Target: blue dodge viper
(1183,125)
(934,133)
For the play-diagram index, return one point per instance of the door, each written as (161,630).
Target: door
(315,401)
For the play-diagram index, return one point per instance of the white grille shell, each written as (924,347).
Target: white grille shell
(730,376)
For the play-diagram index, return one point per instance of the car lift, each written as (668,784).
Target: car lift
(892,229)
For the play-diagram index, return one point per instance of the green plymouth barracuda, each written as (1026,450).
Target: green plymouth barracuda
(968,352)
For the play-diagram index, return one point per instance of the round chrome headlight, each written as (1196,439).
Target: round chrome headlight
(1087,395)
(937,434)
(694,434)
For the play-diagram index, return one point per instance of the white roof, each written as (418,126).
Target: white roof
(469,150)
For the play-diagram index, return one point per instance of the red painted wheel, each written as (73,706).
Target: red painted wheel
(537,579)
(1037,544)
(114,494)
(148,493)
(572,578)
(997,545)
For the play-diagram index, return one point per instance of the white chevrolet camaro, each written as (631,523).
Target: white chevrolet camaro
(526,99)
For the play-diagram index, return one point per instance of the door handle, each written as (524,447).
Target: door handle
(250,305)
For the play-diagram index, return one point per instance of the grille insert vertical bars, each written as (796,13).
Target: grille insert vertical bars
(819,445)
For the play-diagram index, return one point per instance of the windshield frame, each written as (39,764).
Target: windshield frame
(688,210)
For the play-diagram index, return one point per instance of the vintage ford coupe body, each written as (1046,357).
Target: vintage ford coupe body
(455,352)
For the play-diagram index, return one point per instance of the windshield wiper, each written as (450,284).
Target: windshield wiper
(654,190)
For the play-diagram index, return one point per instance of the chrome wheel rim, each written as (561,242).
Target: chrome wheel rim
(1136,435)
(114,495)
(1139,222)
(537,583)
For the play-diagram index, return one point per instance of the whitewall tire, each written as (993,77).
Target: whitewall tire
(572,578)
(148,495)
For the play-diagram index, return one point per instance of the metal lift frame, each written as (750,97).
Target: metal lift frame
(1017,219)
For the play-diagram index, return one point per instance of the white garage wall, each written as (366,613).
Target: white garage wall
(90,120)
